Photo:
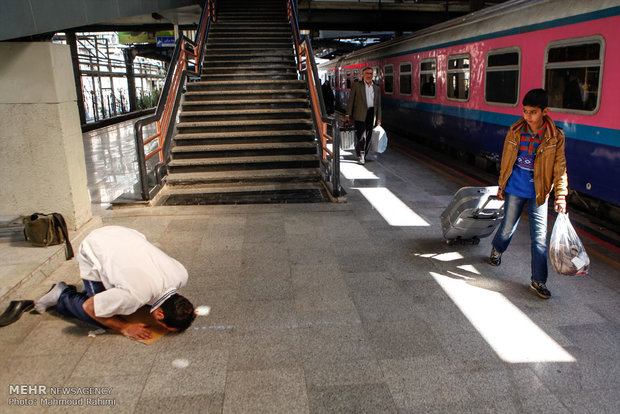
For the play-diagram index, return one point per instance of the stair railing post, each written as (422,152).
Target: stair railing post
(336,157)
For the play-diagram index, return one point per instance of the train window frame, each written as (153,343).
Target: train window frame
(356,74)
(400,78)
(348,81)
(385,76)
(432,72)
(576,64)
(503,68)
(458,70)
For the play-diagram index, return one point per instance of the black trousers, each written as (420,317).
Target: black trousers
(360,128)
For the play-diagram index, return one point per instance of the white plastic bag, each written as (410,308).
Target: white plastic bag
(379,140)
(347,138)
(566,252)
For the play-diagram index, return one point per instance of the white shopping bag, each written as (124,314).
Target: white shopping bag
(379,140)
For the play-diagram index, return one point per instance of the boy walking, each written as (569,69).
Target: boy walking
(533,163)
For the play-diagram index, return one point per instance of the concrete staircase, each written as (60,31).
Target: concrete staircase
(245,133)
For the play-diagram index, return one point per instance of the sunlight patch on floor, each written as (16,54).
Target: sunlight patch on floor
(393,210)
(509,331)
(355,171)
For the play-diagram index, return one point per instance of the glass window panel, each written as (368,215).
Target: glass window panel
(571,53)
(427,85)
(458,86)
(504,59)
(458,78)
(501,86)
(573,88)
(427,65)
(573,75)
(388,79)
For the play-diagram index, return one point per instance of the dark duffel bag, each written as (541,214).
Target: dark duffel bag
(47,230)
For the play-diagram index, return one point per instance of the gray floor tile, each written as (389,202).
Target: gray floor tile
(351,399)
(207,404)
(280,390)
(352,371)
(186,371)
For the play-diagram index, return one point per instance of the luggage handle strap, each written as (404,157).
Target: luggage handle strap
(480,213)
(60,222)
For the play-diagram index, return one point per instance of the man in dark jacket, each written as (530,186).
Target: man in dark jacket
(365,107)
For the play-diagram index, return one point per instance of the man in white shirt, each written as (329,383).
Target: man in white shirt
(365,107)
(122,272)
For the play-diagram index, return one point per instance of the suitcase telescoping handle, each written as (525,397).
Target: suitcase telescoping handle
(492,213)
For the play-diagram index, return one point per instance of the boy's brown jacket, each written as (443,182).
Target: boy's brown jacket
(549,164)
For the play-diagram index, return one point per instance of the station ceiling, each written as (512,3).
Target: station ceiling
(336,26)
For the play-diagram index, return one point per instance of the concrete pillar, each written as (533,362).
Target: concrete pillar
(42,157)
(130,55)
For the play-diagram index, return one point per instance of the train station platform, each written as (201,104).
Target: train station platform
(358,307)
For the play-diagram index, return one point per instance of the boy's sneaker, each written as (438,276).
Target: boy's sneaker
(496,258)
(541,290)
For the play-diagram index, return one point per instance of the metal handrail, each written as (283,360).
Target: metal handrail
(306,65)
(185,52)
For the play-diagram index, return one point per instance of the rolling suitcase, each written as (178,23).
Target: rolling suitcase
(473,214)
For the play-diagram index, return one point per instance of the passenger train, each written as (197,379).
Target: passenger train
(460,84)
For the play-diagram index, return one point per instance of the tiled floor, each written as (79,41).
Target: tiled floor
(335,308)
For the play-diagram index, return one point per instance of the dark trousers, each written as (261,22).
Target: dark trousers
(70,301)
(362,143)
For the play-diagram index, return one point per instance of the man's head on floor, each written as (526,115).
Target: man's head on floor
(176,314)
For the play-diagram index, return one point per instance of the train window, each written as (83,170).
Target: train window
(502,77)
(375,76)
(348,79)
(388,78)
(428,77)
(356,75)
(573,74)
(405,79)
(332,81)
(458,77)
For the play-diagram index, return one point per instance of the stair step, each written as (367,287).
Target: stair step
(255,136)
(242,187)
(189,106)
(246,94)
(245,84)
(249,54)
(245,149)
(264,62)
(241,147)
(247,193)
(279,68)
(252,122)
(257,196)
(228,75)
(281,174)
(245,114)
(262,46)
(243,36)
(242,161)
(305,111)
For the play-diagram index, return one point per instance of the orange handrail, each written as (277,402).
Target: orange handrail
(305,63)
(185,53)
